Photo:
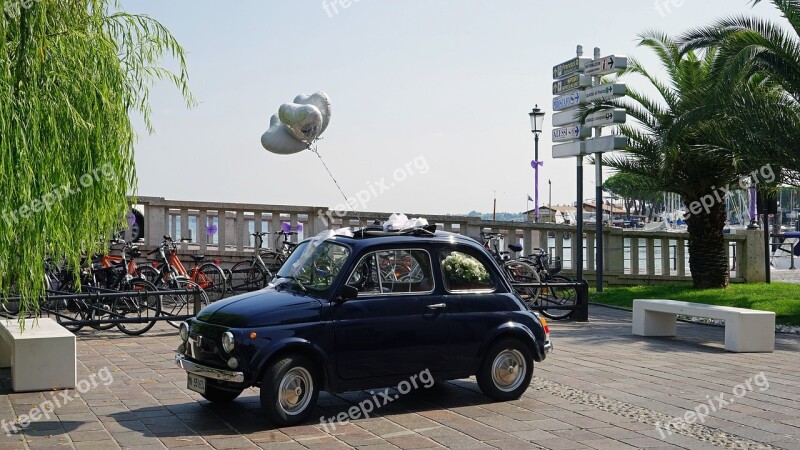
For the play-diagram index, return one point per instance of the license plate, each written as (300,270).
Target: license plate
(196,383)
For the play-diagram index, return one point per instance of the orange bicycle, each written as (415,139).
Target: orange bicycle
(208,276)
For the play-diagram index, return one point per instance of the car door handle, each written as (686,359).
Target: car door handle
(438,306)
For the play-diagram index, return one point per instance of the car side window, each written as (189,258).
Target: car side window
(393,272)
(463,272)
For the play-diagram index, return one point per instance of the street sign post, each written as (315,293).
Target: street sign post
(577,82)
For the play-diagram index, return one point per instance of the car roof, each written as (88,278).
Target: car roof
(369,238)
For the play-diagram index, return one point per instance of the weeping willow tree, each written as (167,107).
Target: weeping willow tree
(72,73)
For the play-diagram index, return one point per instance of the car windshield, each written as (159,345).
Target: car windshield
(315,264)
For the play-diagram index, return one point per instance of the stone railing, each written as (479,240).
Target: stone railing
(630,256)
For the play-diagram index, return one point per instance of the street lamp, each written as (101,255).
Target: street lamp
(537,120)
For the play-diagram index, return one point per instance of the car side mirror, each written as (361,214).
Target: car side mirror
(348,293)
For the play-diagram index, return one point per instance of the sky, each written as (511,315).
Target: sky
(430,97)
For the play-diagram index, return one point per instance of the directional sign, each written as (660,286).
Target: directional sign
(605,117)
(605,92)
(564,118)
(607,65)
(571,133)
(573,82)
(568,101)
(568,150)
(605,144)
(566,68)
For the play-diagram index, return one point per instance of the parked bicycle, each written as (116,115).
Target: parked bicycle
(547,270)
(209,276)
(256,272)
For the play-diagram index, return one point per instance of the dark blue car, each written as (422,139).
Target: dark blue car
(361,312)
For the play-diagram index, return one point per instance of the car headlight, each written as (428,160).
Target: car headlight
(184,331)
(227,341)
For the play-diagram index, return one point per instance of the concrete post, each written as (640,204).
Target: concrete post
(754,270)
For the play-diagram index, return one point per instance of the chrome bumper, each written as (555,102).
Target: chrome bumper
(548,347)
(208,372)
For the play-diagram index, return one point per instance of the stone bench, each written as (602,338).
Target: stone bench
(746,330)
(42,357)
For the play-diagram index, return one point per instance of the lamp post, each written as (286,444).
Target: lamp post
(537,119)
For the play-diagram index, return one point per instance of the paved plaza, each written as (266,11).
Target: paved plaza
(602,388)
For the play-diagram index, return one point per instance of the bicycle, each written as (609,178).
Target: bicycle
(209,276)
(114,279)
(515,270)
(255,273)
(168,278)
(552,295)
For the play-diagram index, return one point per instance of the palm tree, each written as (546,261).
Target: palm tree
(760,52)
(677,146)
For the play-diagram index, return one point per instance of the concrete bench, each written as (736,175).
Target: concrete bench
(746,330)
(42,357)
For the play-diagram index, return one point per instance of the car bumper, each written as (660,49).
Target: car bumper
(208,372)
(548,347)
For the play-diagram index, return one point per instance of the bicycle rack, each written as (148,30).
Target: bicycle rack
(111,294)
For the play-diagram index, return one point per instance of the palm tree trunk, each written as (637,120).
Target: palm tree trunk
(708,256)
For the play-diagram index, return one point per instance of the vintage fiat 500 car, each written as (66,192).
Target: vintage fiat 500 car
(361,312)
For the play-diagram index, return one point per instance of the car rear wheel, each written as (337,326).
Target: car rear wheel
(289,390)
(216,395)
(506,370)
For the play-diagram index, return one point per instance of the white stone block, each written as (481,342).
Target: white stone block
(42,357)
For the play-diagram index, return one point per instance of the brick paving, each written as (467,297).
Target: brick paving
(602,388)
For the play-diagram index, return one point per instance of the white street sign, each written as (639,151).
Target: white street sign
(605,92)
(576,81)
(564,118)
(605,117)
(570,133)
(568,150)
(568,101)
(566,68)
(605,144)
(607,65)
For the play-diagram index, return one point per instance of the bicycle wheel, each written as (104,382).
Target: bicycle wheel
(246,277)
(559,296)
(182,304)
(212,279)
(521,272)
(70,311)
(137,307)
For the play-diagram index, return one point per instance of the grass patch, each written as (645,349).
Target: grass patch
(781,298)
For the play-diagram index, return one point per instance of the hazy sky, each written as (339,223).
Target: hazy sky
(430,98)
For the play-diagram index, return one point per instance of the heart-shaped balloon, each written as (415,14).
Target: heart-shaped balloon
(278,140)
(303,121)
(323,104)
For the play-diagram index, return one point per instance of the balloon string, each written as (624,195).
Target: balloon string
(316,152)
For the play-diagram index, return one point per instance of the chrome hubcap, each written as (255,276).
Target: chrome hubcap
(294,391)
(509,370)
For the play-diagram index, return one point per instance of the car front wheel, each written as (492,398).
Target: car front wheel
(506,370)
(289,390)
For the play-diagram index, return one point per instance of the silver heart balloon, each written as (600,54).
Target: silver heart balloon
(278,140)
(321,101)
(303,121)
